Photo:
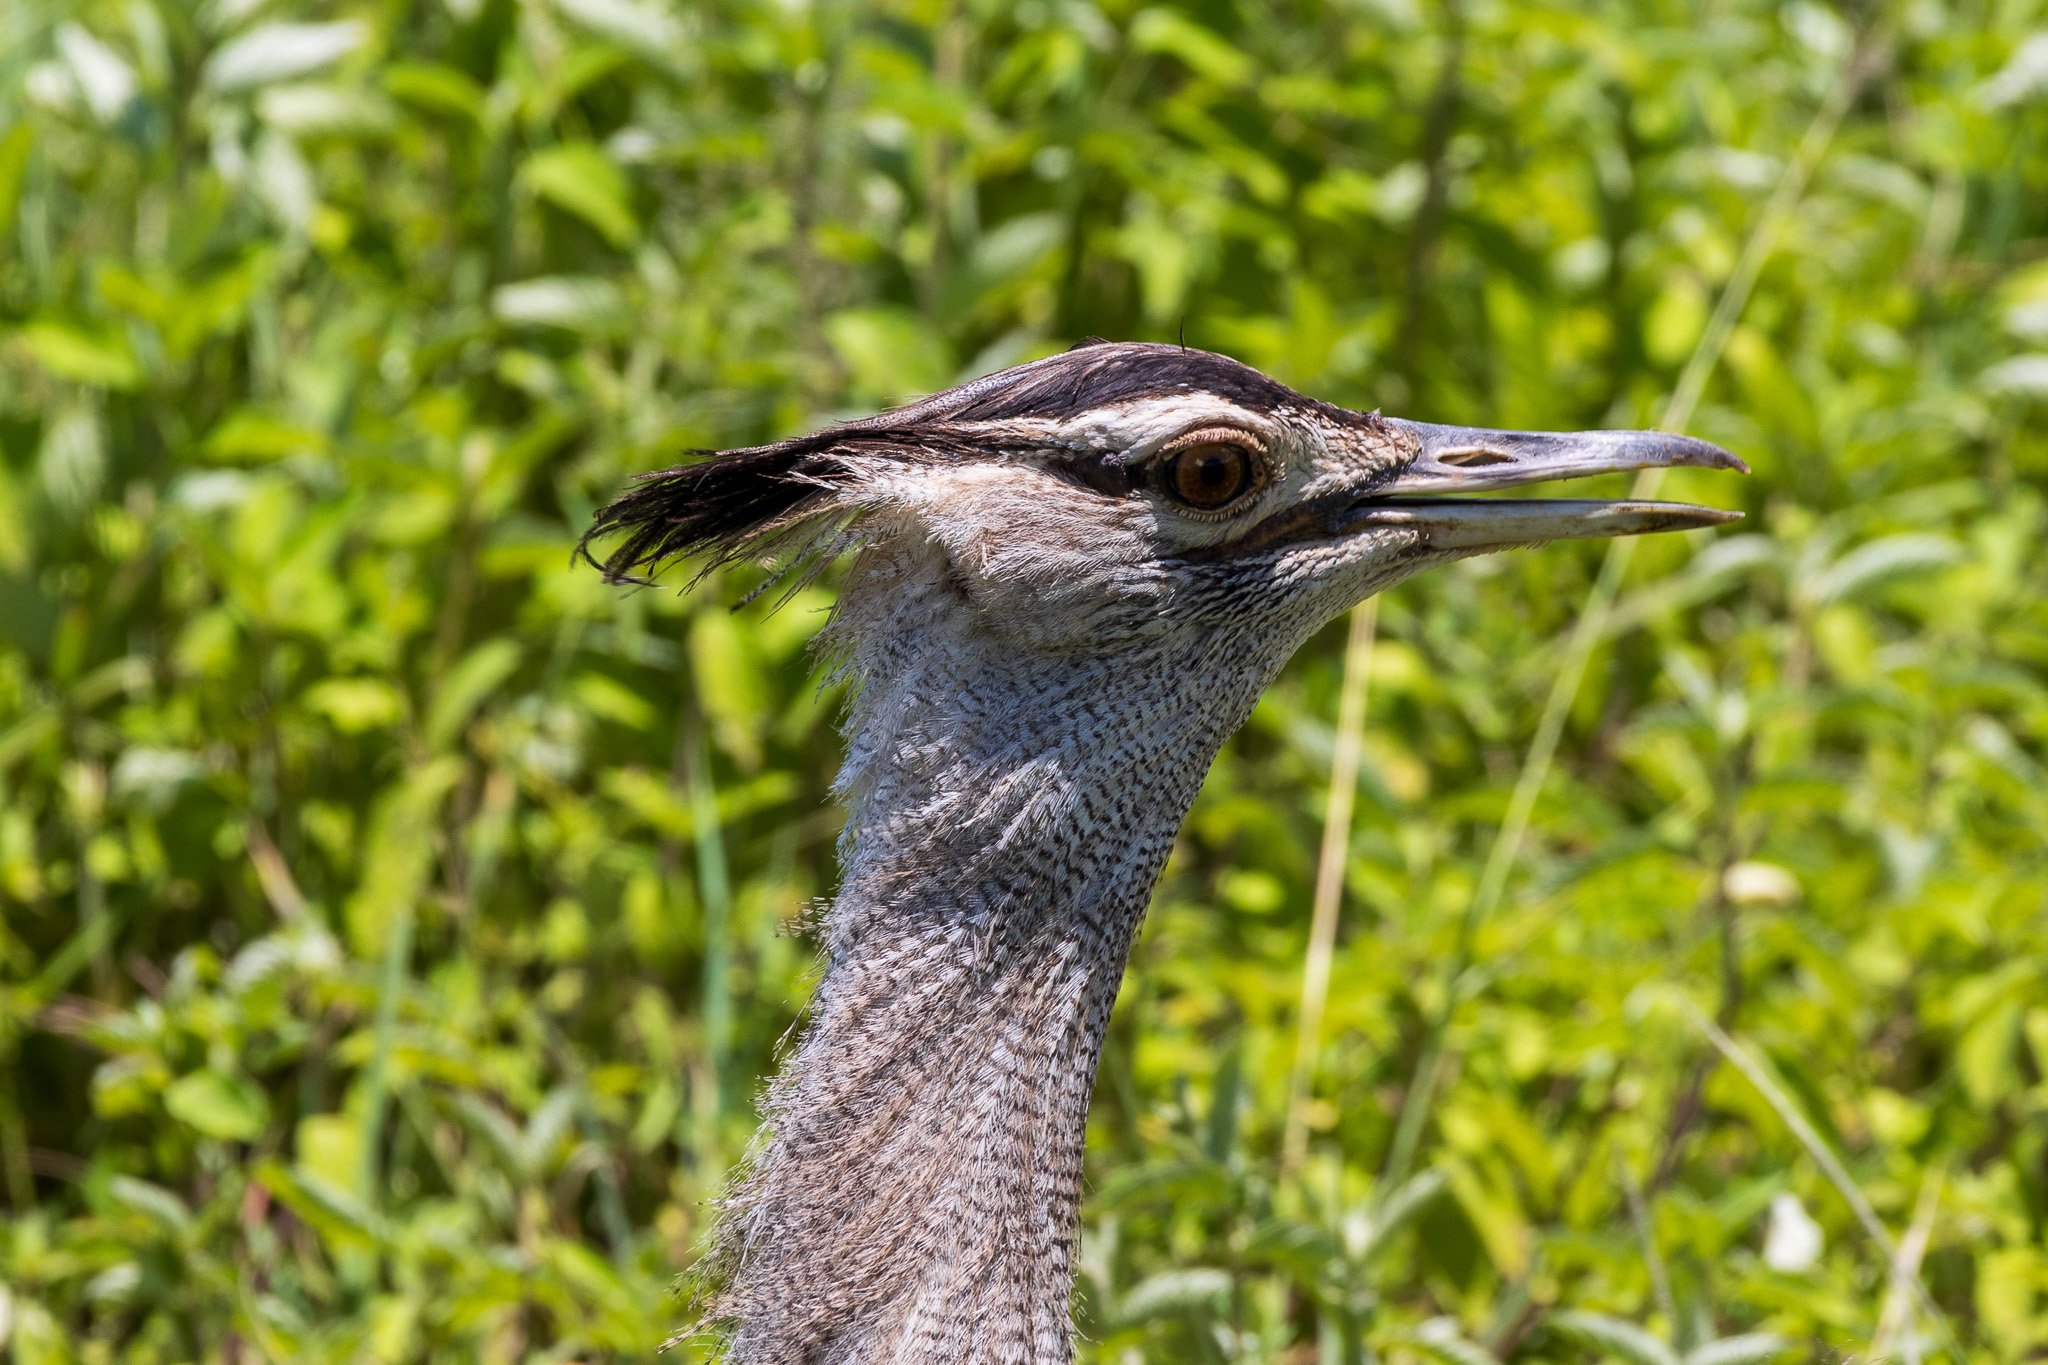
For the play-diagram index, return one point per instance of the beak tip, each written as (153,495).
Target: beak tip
(1730,460)
(1706,455)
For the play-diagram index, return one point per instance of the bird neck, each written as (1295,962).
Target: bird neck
(915,1196)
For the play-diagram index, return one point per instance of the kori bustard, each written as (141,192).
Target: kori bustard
(1067,584)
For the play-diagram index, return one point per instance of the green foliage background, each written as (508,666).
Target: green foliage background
(397,921)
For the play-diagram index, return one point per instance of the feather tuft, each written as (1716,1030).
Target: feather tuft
(720,506)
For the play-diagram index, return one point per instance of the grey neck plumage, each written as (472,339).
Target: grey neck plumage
(914,1196)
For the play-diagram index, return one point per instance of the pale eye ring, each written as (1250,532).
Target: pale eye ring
(1212,471)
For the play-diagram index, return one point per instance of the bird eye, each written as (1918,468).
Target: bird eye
(1208,474)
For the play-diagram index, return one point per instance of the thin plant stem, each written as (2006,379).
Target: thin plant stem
(14,1157)
(714,893)
(377,1076)
(1895,1319)
(1639,1214)
(1824,1157)
(1591,626)
(1345,759)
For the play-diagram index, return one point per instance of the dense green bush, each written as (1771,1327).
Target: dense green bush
(397,920)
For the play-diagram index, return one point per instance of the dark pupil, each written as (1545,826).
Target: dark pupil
(1211,477)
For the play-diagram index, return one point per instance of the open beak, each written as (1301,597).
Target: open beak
(1430,495)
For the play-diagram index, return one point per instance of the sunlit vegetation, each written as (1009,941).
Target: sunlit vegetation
(395,922)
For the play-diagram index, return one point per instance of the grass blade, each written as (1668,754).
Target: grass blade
(1329,892)
(1823,1156)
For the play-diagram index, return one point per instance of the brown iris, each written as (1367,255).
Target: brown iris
(1209,471)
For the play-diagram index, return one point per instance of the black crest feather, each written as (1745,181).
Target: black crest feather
(717,505)
(735,501)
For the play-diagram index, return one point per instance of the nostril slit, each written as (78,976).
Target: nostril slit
(1473,459)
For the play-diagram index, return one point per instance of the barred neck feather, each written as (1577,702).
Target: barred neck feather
(914,1199)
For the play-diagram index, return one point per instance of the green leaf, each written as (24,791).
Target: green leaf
(1750,1348)
(1495,1213)
(1675,319)
(1987,1055)
(276,52)
(318,110)
(219,1105)
(891,353)
(579,303)
(1440,1339)
(15,146)
(1132,1185)
(1203,52)
(480,673)
(1613,1335)
(342,1220)
(1226,1095)
(398,851)
(1883,559)
(436,86)
(1396,1211)
(577,178)
(355,705)
(153,1202)
(648,26)
(84,355)
(603,697)
(106,80)
(247,436)
(1173,1292)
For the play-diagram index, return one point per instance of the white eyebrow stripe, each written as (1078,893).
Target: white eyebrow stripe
(1137,425)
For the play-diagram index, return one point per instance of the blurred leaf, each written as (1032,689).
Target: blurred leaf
(1890,557)
(1373,1227)
(154,1202)
(277,52)
(87,356)
(481,672)
(2023,77)
(1987,1056)
(72,461)
(395,859)
(1501,1226)
(1163,30)
(336,1215)
(1747,1349)
(578,304)
(435,86)
(15,145)
(578,179)
(890,353)
(356,704)
(218,1105)
(1161,1180)
(2024,376)
(108,81)
(1613,1335)
(647,25)
(1440,1339)
(1171,1292)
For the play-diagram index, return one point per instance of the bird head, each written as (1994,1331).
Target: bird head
(1125,492)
